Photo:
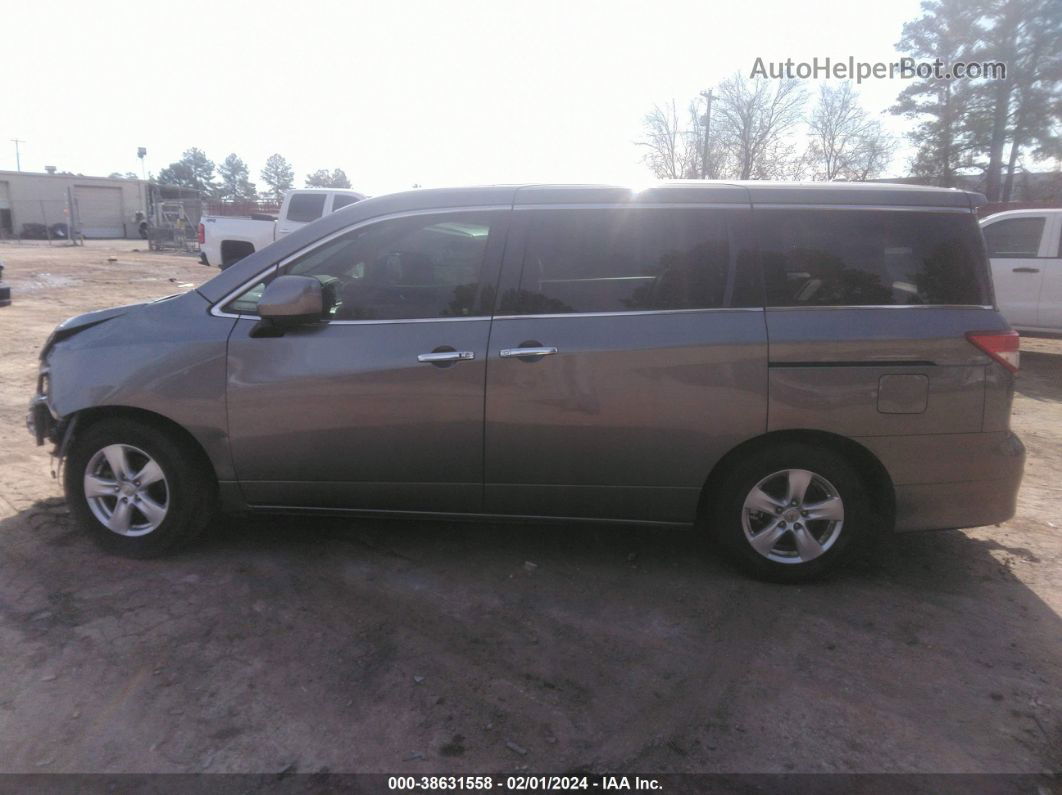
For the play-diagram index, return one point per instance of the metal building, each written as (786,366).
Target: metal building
(53,205)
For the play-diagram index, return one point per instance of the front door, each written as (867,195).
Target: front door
(1017,271)
(623,362)
(380,406)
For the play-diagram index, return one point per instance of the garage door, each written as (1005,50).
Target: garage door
(100,211)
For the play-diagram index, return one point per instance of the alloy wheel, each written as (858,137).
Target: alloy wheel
(792,516)
(126,490)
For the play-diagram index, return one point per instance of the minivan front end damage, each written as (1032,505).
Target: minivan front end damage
(43,421)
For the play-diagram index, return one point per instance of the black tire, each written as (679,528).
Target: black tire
(188,486)
(831,469)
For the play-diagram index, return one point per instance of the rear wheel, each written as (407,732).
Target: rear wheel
(138,490)
(792,513)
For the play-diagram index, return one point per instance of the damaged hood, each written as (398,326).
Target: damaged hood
(72,325)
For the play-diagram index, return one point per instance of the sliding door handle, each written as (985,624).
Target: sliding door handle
(446,356)
(1025,270)
(521,353)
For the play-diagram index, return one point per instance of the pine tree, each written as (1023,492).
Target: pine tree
(1021,111)
(946,30)
(236,184)
(279,177)
(985,123)
(193,170)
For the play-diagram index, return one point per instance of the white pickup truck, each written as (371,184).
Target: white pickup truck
(1025,250)
(225,239)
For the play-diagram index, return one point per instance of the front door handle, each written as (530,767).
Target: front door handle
(1025,270)
(520,353)
(446,356)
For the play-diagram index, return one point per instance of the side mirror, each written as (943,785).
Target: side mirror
(289,301)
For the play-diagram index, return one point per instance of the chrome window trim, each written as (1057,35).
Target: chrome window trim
(634,312)
(880,306)
(216,310)
(524,317)
(740,309)
(1020,256)
(485,318)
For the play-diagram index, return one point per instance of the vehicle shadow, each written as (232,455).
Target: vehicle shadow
(1040,377)
(437,646)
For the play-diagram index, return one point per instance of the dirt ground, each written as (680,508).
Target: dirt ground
(436,647)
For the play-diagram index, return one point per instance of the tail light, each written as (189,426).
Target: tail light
(1003,346)
(201,235)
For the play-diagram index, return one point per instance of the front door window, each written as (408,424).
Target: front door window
(422,266)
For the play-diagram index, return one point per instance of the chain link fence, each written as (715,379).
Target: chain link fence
(167,219)
(37,219)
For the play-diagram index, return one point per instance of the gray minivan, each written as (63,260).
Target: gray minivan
(787,367)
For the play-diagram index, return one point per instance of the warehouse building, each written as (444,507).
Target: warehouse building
(37,205)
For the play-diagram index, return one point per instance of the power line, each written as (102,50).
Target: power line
(707,131)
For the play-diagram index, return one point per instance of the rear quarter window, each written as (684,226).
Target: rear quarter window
(814,257)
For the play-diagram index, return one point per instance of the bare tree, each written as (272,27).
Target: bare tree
(753,120)
(787,162)
(847,143)
(878,150)
(752,124)
(670,151)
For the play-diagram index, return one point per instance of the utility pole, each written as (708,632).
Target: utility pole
(707,128)
(18,158)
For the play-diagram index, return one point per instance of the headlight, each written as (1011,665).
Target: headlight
(44,382)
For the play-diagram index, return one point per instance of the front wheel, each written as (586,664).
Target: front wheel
(139,491)
(793,513)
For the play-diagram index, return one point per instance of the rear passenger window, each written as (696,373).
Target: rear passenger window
(305,207)
(869,258)
(622,260)
(1015,237)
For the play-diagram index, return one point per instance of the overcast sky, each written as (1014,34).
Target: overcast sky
(397,93)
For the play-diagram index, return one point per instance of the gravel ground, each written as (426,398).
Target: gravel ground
(434,647)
